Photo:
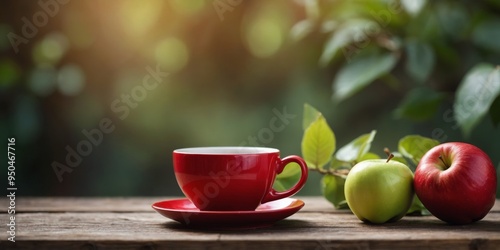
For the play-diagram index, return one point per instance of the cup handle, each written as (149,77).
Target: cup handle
(275,195)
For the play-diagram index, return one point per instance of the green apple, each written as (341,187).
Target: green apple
(379,191)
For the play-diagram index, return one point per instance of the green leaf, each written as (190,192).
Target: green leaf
(453,17)
(318,143)
(360,72)
(417,208)
(302,29)
(333,190)
(353,30)
(287,178)
(487,34)
(413,7)
(475,94)
(369,156)
(356,149)
(420,60)
(279,186)
(337,164)
(399,157)
(419,104)
(292,169)
(415,146)
(310,115)
(425,27)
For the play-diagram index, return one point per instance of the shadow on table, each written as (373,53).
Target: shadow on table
(431,223)
(284,225)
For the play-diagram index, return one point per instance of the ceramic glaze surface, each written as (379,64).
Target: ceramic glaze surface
(232,178)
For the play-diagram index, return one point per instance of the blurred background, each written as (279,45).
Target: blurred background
(180,73)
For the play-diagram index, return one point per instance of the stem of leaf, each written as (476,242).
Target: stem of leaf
(334,172)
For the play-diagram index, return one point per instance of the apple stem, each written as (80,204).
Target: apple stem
(387,152)
(442,160)
(389,158)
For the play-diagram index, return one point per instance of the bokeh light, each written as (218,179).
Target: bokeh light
(139,16)
(228,73)
(42,80)
(9,72)
(27,118)
(51,49)
(70,80)
(172,54)
(264,29)
(264,37)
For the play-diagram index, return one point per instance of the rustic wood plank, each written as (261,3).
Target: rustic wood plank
(130,223)
(84,204)
(307,229)
(135,204)
(305,226)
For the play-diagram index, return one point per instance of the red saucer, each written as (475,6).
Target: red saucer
(185,212)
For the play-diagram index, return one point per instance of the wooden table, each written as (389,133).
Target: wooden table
(130,223)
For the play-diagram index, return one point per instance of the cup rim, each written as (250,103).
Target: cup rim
(226,150)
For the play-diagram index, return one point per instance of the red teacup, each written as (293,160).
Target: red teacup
(232,178)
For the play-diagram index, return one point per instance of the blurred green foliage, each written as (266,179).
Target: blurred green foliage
(423,47)
(429,44)
(397,67)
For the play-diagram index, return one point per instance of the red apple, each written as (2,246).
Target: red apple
(456,182)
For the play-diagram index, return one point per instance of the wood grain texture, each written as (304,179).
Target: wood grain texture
(136,204)
(141,204)
(130,223)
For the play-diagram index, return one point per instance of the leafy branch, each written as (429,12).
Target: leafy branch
(319,150)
